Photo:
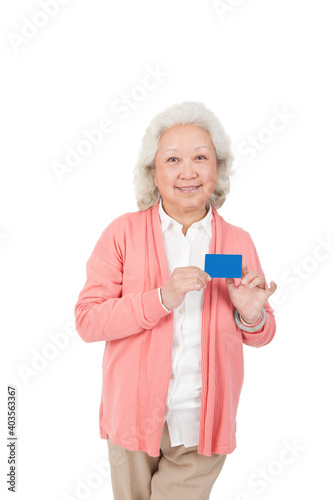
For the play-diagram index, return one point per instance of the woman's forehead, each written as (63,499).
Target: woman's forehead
(174,137)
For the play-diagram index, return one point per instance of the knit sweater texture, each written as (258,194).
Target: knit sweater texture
(120,305)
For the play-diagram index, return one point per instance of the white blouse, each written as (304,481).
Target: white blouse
(184,397)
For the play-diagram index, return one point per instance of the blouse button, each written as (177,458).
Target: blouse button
(181,311)
(172,376)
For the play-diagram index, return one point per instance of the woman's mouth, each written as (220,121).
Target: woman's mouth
(189,189)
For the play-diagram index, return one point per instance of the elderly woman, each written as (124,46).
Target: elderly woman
(173,358)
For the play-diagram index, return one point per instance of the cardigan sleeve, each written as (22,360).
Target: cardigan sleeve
(101,312)
(267,332)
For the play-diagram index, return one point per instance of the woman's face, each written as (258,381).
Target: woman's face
(185,158)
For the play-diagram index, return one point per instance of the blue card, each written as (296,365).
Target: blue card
(223,265)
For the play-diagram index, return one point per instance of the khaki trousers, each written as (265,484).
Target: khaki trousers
(179,473)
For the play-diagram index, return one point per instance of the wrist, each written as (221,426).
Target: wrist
(251,328)
(162,300)
(250,321)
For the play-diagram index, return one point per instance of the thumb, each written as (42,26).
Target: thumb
(230,281)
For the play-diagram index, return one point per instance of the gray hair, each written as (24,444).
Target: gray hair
(196,113)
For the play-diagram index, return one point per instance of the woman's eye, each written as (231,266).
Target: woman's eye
(172,158)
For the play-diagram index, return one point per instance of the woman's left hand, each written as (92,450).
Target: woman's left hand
(249,297)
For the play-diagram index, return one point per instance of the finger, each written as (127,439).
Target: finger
(272,288)
(206,277)
(248,277)
(194,270)
(203,275)
(190,284)
(229,281)
(244,268)
(259,281)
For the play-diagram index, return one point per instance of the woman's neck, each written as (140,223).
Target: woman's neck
(185,218)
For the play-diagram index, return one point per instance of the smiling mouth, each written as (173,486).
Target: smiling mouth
(189,189)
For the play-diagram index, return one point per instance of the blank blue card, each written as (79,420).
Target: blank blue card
(219,265)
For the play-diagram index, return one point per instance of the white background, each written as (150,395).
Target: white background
(244,64)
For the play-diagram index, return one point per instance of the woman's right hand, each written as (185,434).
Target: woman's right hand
(181,281)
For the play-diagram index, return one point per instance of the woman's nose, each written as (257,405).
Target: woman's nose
(188,169)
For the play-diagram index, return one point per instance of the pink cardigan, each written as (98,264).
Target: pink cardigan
(120,305)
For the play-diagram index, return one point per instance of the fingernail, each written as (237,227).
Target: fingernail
(244,281)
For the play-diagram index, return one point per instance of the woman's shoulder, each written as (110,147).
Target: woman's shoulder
(127,220)
(120,230)
(232,229)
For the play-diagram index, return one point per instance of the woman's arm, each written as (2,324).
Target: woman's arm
(266,334)
(101,312)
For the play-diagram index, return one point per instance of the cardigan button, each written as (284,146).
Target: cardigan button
(172,376)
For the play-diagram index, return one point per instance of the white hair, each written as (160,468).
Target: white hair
(196,113)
